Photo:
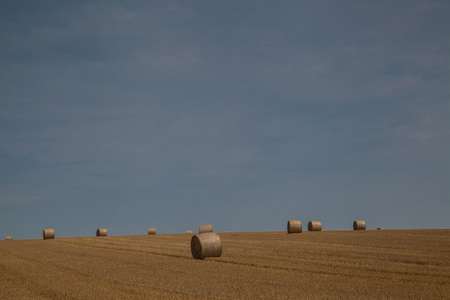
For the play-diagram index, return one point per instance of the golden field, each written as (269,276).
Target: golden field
(372,264)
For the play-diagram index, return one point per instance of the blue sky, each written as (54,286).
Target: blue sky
(172,114)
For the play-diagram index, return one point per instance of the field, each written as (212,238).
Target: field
(407,264)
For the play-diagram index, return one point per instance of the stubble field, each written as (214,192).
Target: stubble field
(406,264)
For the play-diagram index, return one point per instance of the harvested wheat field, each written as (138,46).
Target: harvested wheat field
(369,264)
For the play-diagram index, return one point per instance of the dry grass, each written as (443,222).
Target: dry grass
(314,226)
(48,234)
(359,225)
(294,226)
(206,245)
(406,264)
(101,232)
(205,228)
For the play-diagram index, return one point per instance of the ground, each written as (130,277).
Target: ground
(371,264)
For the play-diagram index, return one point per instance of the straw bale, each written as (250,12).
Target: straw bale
(189,231)
(359,225)
(152,231)
(206,245)
(294,226)
(380,228)
(102,232)
(314,226)
(8,238)
(48,234)
(205,228)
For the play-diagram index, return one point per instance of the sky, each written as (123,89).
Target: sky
(127,115)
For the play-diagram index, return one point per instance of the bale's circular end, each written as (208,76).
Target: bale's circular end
(206,245)
(8,238)
(294,226)
(48,234)
(205,228)
(196,247)
(102,232)
(359,225)
(152,231)
(314,226)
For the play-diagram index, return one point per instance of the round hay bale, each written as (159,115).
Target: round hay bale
(206,245)
(8,238)
(205,228)
(152,231)
(380,228)
(359,225)
(294,226)
(189,232)
(102,232)
(314,226)
(49,234)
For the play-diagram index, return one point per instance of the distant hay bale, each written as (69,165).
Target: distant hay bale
(102,232)
(189,231)
(314,226)
(49,234)
(8,238)
(294,226)
(205,228)
(380,228)
(152,231)
(359,225)
(206,245)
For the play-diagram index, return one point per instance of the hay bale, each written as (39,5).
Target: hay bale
(206,245)
(314,226)
(8,238)
(205,228)
(189,231)
(294,226)
(151,231)
(49,234)
(359,225)
(102,232)
(380,228)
